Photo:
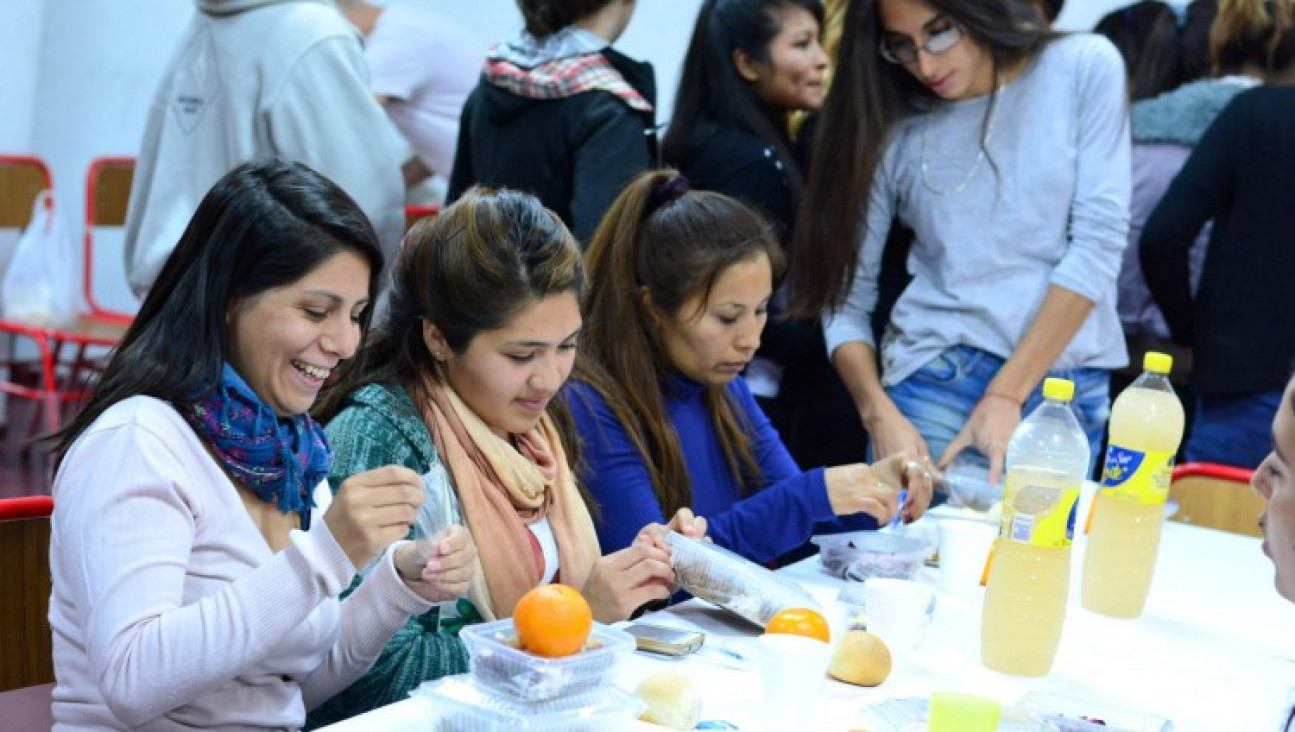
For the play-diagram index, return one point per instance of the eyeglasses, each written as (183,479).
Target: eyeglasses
(905,51)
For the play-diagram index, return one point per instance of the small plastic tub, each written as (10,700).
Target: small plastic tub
(864,555)
(499,664)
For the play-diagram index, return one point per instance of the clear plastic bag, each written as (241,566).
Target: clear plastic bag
(437,514)
(40,283)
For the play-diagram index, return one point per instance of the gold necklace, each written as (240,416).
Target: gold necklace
(980,154)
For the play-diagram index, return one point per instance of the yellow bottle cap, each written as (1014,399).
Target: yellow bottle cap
(1060,389)
(954,712)
(1160,363)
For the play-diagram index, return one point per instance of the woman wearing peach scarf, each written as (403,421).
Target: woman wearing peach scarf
(481,331)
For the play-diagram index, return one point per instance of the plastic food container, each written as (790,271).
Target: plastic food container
(461,704)
(867,554)
(732,582)
(497,663)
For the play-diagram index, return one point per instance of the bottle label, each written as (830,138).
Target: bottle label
(1140,477)
(1039,515)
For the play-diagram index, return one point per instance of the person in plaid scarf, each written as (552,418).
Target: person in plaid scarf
(559,113)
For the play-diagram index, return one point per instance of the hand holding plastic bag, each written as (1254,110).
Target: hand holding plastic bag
(39,287)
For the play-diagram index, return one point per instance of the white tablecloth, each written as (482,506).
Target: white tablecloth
(1213,652)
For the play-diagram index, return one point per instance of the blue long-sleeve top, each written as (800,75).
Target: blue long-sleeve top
(787,508)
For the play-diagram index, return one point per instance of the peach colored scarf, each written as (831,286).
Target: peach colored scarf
(501,490)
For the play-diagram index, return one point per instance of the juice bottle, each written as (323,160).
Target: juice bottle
(1025,599)
(1146,427)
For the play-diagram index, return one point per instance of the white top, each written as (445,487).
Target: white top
(169,609)
(426,65)
(260,78)
(1048,205)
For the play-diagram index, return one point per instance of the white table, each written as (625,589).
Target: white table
(1214,650)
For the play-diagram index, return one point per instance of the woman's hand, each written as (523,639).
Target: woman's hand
(891,433)
(916,477)
(856,489)
(374,509)
(989,428)
(448,571)
(623,581)
(683,522)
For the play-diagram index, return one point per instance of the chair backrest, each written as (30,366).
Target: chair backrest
(27,659)
(414,212)
(22,178)
(1216,497)
(107,196)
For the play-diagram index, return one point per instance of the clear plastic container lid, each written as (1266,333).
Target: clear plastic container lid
(499,664)
(862,555)
(461,704)
(732,582)
(1036,712)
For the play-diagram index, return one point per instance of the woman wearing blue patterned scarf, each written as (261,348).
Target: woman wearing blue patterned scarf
(191,588)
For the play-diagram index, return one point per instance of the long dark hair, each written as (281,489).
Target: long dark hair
(265,224)
(1146,34)
(711,91)
(472,268)
(673,244)
(868,96)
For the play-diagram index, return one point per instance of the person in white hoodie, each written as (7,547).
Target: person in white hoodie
(256,79)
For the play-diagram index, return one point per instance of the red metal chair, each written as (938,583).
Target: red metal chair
(27,663)
(107,196)
(67,359)
(1216,497)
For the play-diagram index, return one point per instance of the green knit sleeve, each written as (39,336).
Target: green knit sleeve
(363,439)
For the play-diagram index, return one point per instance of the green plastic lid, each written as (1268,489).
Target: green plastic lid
(1063,390)
(1160,363)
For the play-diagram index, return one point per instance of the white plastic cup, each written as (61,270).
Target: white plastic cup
(964,549)
(898,611)
(793,671)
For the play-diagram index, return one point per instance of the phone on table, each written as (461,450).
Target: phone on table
(664,639)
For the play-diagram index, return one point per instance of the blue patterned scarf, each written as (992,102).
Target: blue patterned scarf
(281,459)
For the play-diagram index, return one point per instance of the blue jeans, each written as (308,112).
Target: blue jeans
(1233,430)
(938,398)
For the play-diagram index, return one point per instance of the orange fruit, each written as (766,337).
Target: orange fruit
(552,621)
(800,621)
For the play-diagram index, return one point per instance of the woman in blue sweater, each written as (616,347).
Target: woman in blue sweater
(664,422)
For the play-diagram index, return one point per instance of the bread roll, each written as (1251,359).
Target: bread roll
(672,701)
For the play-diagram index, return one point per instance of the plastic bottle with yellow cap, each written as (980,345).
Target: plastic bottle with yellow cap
(1128,512)
(1025,600)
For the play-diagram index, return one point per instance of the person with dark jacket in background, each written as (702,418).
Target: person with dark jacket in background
(1239,175)
(559,114)
(750,66)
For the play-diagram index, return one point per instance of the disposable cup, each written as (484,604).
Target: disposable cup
(793,672)
(898,611)
(954,712)
(964,548)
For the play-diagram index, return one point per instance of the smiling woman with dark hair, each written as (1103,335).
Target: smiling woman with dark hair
(191,588)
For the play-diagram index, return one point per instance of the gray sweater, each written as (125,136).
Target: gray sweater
(1048,206)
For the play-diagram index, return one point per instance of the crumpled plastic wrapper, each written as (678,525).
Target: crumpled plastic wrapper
(732,582)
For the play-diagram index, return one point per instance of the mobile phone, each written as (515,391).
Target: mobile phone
(664,639)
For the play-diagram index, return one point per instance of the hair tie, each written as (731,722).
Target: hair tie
(665,192)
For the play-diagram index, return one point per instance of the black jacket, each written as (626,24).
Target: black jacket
(575,154)
(1241,175)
